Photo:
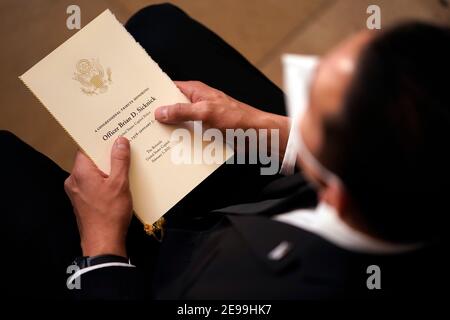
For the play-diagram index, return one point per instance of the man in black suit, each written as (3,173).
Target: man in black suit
(368,224)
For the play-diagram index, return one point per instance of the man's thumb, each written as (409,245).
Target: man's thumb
(120,158)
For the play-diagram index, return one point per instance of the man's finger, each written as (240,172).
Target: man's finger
(120,158)
(176,113)
(196,91)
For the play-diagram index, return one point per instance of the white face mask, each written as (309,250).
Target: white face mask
(298,72)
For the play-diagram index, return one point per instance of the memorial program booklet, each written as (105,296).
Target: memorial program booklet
(101,84)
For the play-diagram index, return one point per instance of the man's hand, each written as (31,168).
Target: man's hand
(217,110)
(102,203)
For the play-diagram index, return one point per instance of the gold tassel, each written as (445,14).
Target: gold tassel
(156,229)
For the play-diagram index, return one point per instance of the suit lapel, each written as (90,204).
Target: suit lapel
(274,244)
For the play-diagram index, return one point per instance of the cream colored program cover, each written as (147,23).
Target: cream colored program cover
(101,84)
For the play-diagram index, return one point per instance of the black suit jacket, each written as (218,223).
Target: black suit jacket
(225,255)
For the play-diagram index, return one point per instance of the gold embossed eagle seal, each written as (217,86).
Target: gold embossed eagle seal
(92,76)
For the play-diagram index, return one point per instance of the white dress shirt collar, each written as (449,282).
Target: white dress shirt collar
(326,222)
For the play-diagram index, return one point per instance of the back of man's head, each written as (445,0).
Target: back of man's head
(390,143)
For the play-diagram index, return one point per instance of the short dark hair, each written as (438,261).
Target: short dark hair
(389,145)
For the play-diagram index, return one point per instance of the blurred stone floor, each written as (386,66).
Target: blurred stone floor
(260,29)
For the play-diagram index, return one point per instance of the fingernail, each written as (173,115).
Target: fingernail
(161,113)
(121,143)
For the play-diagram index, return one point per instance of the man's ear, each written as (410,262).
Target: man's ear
(334,194)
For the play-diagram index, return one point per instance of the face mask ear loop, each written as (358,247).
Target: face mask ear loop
(306,155)
(298,74)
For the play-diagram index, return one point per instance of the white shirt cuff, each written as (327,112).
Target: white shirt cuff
(98,266)
(290,154)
